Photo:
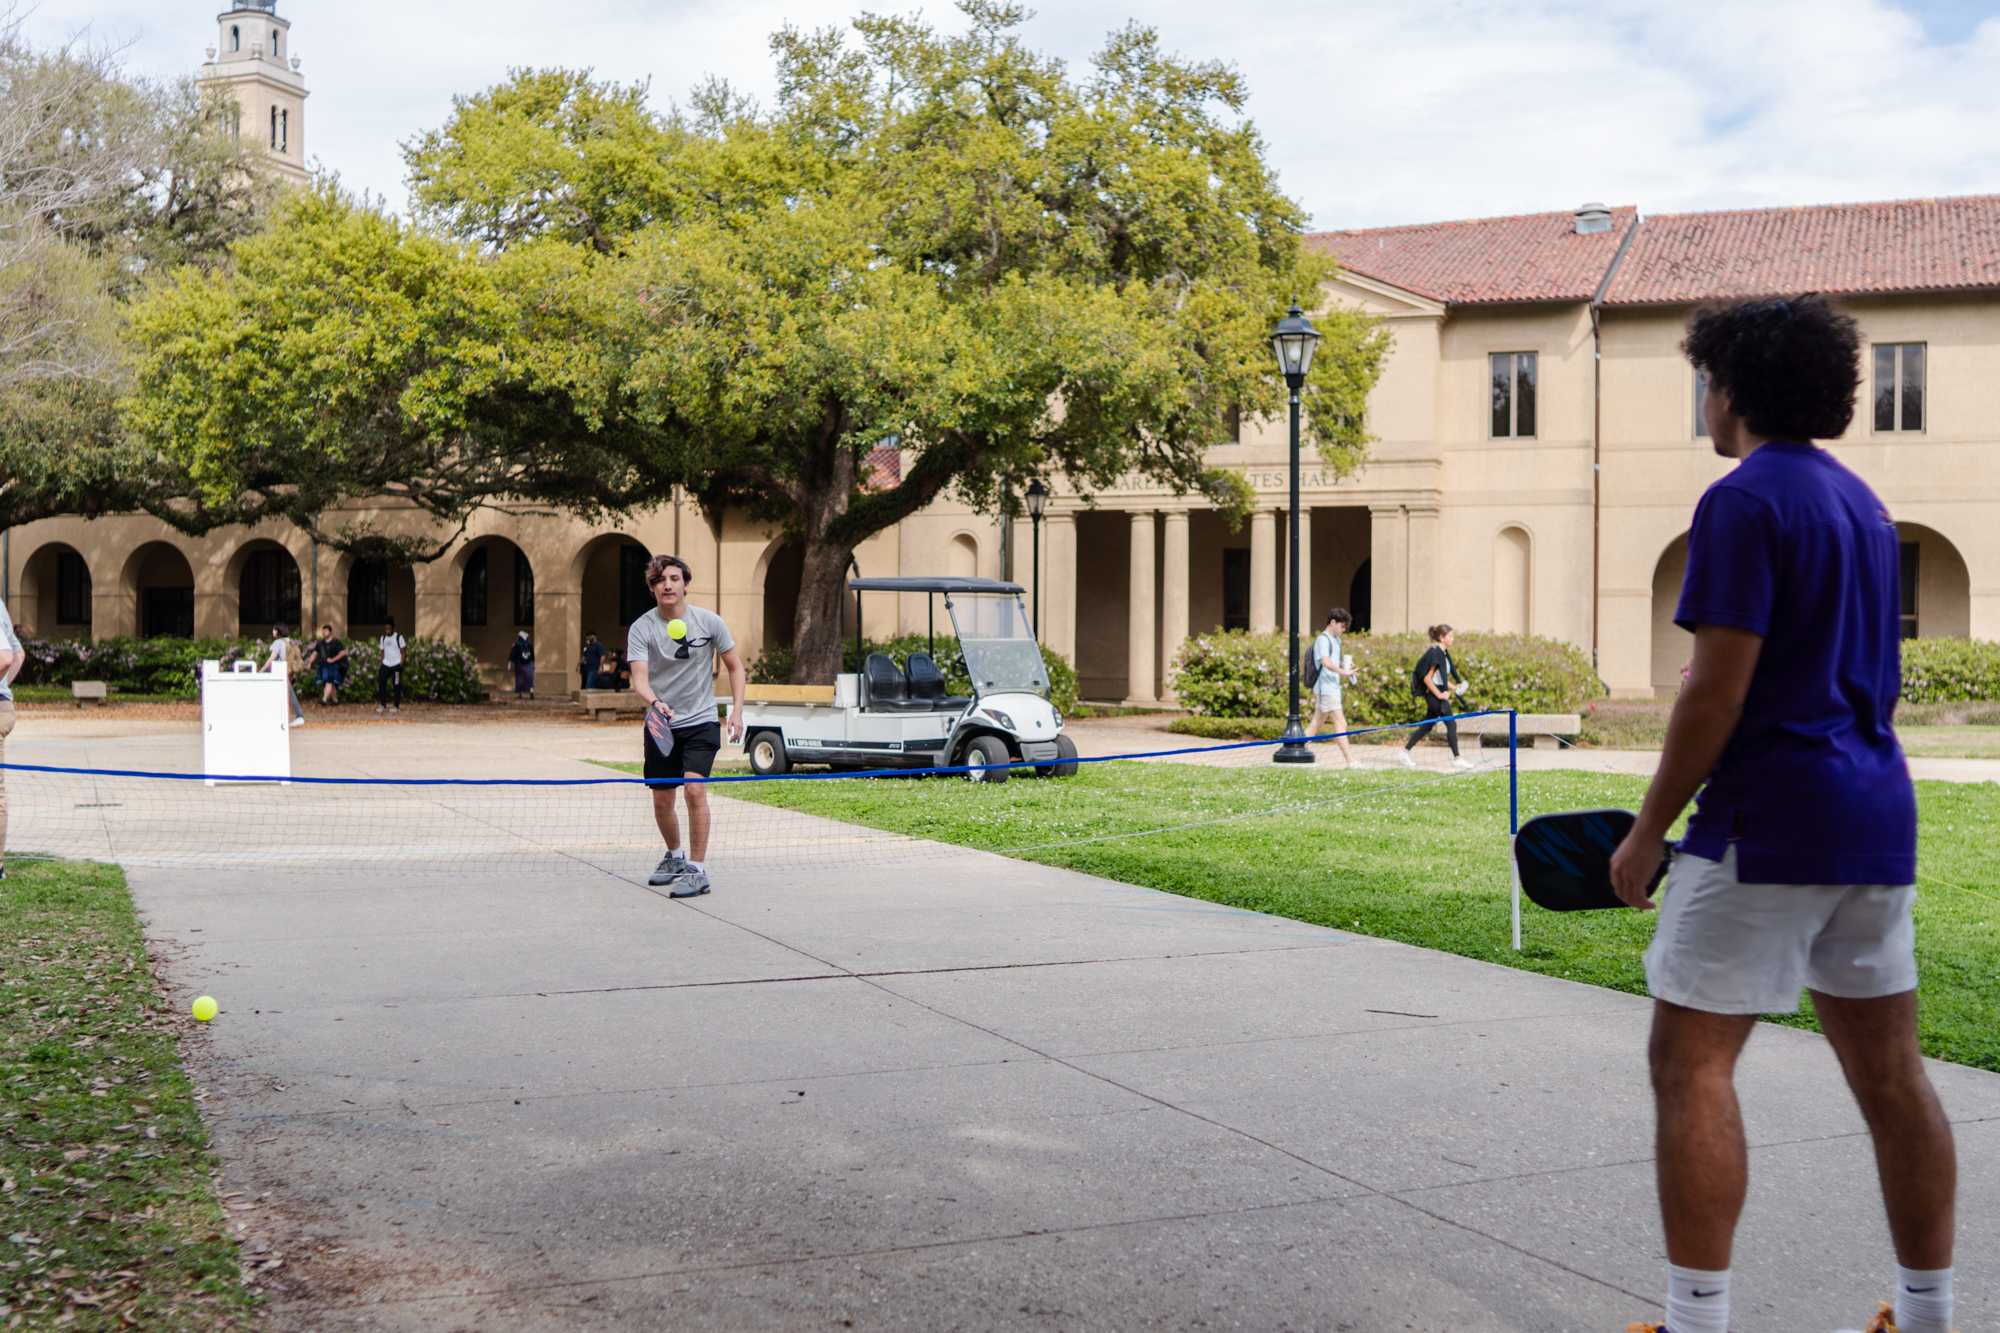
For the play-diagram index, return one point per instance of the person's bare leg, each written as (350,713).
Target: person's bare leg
(1876,1041)
(663,815)
(1339,719)
(1703,1163)
(698,820)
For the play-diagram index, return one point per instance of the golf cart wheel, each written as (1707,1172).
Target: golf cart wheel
(1065,765)
(988,750)
(767,754)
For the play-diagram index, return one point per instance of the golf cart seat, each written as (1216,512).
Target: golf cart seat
(888,687)
(927,683)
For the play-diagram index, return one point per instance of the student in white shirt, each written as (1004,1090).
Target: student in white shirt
(1333,672)
(389,676)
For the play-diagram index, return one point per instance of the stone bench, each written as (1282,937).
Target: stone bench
(1541,731)
(89,692)
(599,702)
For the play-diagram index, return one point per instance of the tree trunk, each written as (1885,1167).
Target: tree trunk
(816,640)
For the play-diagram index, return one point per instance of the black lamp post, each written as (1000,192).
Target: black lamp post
(1294,340)
(1038,503)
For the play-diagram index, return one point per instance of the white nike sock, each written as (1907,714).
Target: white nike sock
(1923,1300)
(675,851)
(1697,1300)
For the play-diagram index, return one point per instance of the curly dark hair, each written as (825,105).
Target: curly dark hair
(1790,365)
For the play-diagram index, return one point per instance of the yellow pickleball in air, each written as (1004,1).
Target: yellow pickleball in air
(204,1008)
(677,628)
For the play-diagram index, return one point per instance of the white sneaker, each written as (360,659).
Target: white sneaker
(298,722)
(1404,755)
(1461,762)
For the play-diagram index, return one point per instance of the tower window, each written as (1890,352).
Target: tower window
(235,37)
(274,127)
(277,45)
(284,130)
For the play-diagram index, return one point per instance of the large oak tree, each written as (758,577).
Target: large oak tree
(944,241)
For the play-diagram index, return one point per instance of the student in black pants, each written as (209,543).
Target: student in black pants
(1432,682)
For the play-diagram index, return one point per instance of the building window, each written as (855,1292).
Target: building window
(274,127)
(1910,551)
(472,592)
(271,591)
(524,590)
(284,130)
(1235,589)
(72,589)
(277,50)
(1701,404)
(368,594)
(1513,395)
(1899,386)
(235,37)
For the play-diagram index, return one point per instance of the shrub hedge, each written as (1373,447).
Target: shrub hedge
(773,666)
(1232,674)
(433,671)
(1939,671)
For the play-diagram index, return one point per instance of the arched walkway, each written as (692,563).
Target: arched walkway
(1361,597)
(159,582)
(269,588)
(610,572)
(1936,586)
(1673,647)
(54,600)
(377,590)
(782,563)
(496,597)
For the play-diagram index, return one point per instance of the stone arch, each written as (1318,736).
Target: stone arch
(54,601)
(491,581)
(1513,580)
(157,582)
(375,590)
(1673,647)
(777,581)
(962,556)
(1936,586)
(611,586)
(265,579)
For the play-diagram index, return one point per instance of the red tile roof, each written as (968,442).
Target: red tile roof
(1905,246)
(882,469)
(1534,257)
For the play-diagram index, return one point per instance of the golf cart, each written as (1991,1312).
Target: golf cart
(891,716)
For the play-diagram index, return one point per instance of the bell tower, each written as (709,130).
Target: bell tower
(253,65)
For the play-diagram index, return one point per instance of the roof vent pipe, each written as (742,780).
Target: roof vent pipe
(1592,218)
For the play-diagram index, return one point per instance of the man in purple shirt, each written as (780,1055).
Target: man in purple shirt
(1797,866)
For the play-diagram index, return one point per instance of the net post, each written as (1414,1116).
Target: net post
(1514,817)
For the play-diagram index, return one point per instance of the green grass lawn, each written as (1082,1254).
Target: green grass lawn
(1411,857)
(106,1180)
(60,694)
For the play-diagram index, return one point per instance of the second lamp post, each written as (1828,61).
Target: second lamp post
(1294,340)
(1038,503)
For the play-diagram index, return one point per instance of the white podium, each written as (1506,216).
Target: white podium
(245,722)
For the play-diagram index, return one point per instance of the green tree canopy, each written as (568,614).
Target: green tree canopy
(944,241)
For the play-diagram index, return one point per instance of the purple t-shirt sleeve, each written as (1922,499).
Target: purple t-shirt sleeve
(1732,569)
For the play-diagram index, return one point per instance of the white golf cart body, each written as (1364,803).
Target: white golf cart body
(900,716)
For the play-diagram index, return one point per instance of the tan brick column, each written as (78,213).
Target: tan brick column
(1264,571)
(1174,595)
(1059,583)
(1142,629)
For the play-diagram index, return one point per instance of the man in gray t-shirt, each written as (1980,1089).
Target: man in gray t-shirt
(673,650)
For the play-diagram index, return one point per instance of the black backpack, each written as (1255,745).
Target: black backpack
(1309,663)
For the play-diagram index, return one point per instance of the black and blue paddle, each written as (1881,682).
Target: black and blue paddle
(1565,859)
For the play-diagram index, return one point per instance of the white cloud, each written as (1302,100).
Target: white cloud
(1373,113)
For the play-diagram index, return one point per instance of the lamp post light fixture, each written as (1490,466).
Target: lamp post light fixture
(1294,340)
(1038,503)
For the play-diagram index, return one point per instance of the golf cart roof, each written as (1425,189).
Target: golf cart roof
(933,585)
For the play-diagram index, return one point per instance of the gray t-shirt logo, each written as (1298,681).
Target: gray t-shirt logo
(681,671)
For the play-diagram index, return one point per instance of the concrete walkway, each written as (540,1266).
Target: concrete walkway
(956,1092)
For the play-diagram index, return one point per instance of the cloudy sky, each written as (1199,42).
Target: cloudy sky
(1374,113)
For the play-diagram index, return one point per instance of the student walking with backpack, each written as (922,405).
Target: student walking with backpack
(1432,681)
(1324,671)
(389,675)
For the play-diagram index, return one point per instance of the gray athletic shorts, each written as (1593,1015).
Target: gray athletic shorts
(1729,948)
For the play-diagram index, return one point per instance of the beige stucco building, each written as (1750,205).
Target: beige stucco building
(1537,457)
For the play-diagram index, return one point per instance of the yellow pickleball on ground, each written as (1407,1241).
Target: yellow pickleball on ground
(677,628)
(204,1008)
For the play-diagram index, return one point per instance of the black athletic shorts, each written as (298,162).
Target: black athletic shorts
(694,751)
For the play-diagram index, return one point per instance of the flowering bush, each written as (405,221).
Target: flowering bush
(1231,674)
(433,672)
(1937,671)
